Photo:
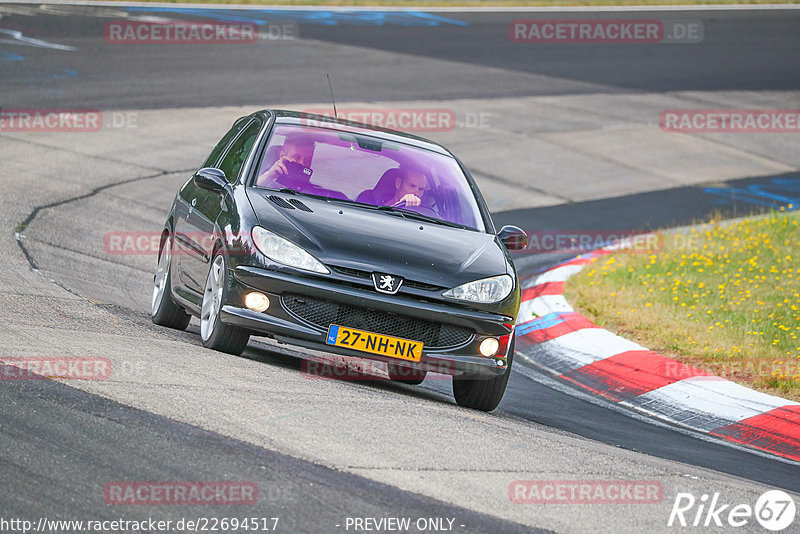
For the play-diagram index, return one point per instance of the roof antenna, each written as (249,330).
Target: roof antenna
(335,116)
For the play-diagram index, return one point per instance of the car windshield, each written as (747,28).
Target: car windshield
(356,167)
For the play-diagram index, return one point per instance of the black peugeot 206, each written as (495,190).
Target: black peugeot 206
(359,241)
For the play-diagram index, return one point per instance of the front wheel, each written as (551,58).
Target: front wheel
(163,311)
(482,393)
(213,332)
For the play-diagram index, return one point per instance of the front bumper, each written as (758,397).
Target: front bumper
(280,323)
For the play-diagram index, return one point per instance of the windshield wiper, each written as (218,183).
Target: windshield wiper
(353,203)
(411,214)
(405,213)
(324,197)
(289,191)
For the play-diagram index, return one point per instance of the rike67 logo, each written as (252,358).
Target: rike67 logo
(774,510)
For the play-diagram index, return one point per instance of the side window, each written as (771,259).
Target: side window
(232,163)
(212,159)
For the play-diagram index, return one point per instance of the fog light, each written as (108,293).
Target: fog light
(256,301)
(489,346)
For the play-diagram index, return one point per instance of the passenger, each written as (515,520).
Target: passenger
(296,150)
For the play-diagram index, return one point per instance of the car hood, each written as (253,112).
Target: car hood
(369,240)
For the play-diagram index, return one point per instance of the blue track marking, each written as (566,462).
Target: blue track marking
(540,323)
(64,73)
(31,76)
(788,184)
(8,56)
(222,16)
(355,17)
(768,195)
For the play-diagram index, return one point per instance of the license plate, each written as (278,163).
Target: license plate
(393,347)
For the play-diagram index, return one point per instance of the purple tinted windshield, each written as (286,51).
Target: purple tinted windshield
(354,166)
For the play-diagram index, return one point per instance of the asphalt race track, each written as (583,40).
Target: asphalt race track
(323,451)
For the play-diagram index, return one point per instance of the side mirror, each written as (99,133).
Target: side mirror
(211,179)
(513,237)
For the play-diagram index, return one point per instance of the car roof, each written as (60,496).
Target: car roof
(284,116)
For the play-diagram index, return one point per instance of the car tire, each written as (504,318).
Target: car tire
(213,332)
(483,393)
(405,375)
(163,310)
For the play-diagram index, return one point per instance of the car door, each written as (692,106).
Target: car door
(187,201)
(204,208)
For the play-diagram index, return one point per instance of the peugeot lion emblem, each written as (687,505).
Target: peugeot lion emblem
(386,283)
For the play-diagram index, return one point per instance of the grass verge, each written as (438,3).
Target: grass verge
(723,297)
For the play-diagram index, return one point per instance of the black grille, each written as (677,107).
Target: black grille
(280,202)
(299,205)
(353,272)
(420,285)
(323,313)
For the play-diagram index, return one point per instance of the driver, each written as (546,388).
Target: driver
(297,149)
(409,188)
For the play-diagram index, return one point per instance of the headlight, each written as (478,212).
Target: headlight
(485,291)
(284,251)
